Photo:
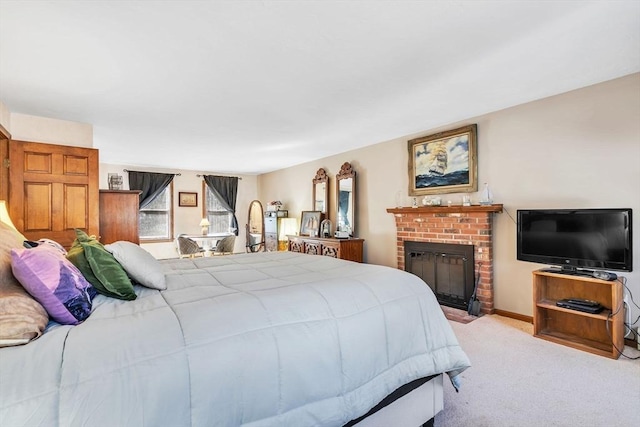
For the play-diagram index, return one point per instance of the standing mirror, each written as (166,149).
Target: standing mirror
(255,227)
(321,192)
(346,200)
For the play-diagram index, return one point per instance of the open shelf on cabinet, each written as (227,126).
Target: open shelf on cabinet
(600,333)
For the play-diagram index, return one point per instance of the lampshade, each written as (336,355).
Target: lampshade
(288,226)
(204,224)
(4,215)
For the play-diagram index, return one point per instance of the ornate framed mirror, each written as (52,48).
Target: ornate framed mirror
(321,192)
(255,227)
(346,200)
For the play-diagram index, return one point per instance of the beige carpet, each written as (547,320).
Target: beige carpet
(519,380)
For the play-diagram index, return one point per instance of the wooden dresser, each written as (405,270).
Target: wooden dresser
(348,249)
(119,212)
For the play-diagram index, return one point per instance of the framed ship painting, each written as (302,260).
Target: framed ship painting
(445,162)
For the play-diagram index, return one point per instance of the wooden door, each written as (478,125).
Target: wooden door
(4,163)
(53,189)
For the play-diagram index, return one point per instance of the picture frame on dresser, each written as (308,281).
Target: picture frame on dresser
(310,223)
(114,181)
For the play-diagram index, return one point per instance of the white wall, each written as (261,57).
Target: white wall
(186,219)
(24,127)
(51,131)
(579,149)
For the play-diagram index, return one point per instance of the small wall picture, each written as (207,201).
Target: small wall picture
(188,199)
(445,162)
(310,223)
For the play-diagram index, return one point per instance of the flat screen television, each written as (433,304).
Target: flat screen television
(576,239)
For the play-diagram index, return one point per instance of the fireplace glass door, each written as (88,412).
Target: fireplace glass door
(447,269)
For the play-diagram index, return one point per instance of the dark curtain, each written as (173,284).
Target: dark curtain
(225,189)
(150,183)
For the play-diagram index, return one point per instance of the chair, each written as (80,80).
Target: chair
(225,246)
(188,247)
(254,241)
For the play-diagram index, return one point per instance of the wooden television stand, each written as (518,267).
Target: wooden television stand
(601,333)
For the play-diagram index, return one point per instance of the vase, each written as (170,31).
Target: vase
(486,198)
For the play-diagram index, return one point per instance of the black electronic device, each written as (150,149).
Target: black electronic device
(586,306)
(604,275)
(581,301)
(577,239)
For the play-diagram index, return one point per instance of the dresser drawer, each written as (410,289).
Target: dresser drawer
(348,249)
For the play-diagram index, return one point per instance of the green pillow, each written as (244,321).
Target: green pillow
(81,236)
(100,268)
(77,258)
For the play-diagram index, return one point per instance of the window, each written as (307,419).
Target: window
(219,217)
(156,218)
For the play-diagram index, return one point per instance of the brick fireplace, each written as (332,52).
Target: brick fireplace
(461,225)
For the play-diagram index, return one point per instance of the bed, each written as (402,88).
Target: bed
(256,339)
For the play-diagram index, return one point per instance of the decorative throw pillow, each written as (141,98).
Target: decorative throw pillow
(100,268)
(56,283)
(22,318)
(139,264)
(53,244)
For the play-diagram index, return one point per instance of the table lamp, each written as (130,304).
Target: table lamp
(4,215)
(288,226)
(205,226)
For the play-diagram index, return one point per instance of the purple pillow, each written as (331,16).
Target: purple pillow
(54,282)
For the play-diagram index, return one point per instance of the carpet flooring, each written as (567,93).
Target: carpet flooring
(518,380)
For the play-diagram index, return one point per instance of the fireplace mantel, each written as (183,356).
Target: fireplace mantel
(455,224)
(447,209)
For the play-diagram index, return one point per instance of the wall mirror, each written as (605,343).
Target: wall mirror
(321,192)
(346,199)
(255,227)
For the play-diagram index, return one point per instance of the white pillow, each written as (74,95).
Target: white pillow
(139,264)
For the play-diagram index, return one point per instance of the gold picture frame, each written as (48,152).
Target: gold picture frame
(188,199)
(444,162)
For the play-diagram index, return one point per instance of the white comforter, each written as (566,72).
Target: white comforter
(262,339)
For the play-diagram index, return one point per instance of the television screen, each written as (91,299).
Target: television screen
(576,238)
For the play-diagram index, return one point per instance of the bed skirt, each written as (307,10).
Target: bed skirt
(413,404)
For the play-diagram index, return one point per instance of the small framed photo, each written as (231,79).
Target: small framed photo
(310,223)
(188,199)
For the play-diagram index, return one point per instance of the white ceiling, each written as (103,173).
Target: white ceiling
(255,86)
